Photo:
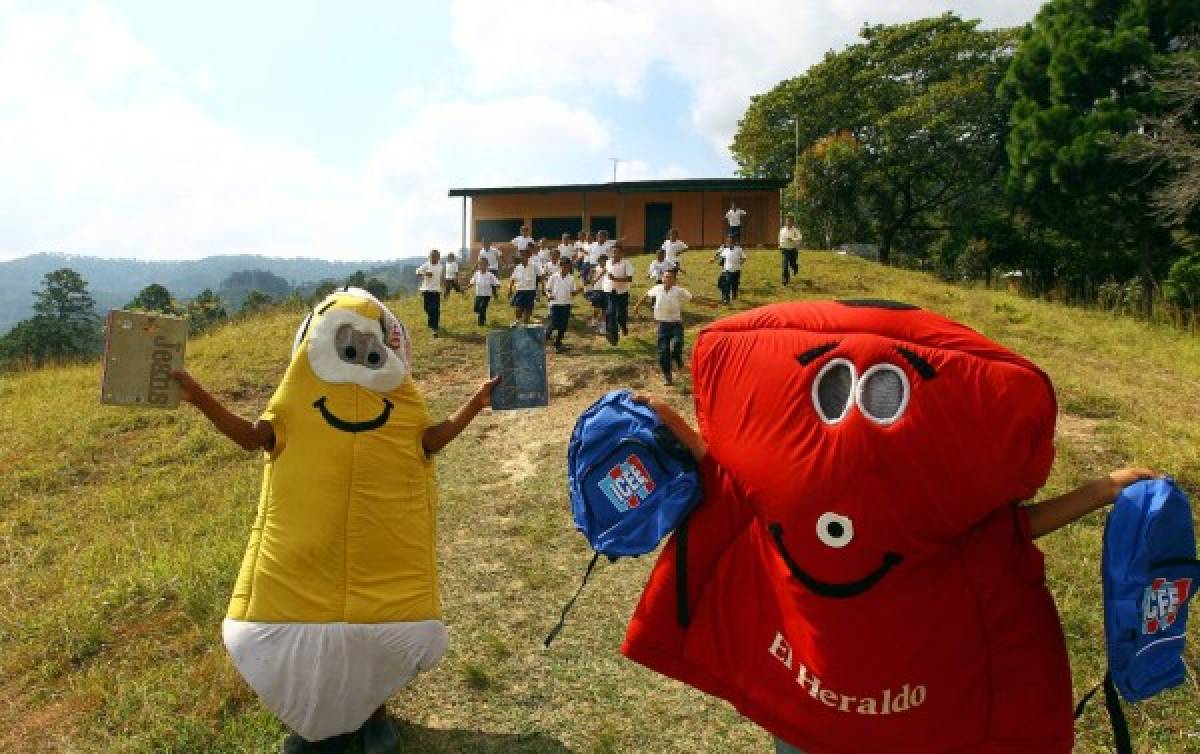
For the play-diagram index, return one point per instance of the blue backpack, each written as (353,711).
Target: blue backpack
(1150,572)
(631,481)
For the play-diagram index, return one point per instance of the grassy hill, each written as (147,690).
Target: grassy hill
(121,533)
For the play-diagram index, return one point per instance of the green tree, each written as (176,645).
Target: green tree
(377,288)
(1080,87)
(64,324)
(919,98)
(323,289)
(205,311)
(256,301)
(154,298)
(825,187)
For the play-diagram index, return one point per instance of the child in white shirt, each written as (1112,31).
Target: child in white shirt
(673,247)
(492,255)
(431,274)
(524,281)
(668,301)
(618,276)
(450,281)
(521,243)
(598,295)
(560,287)
(658,266)
(486,283)
(732,258)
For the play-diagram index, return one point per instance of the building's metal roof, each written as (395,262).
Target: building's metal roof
(630,187)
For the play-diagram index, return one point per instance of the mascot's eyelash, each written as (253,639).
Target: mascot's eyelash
(923,367)
(813,354)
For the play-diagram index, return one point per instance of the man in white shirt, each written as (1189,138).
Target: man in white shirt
(732,258)
(619,274)
(673,247)
(450,281)
(485,283)
(733,218)
(560,288)
(668,301)
(524,281)
(790,239)
(492,255)
(431,274)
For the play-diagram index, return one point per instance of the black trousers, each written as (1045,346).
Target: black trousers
(670,345)
(618,314)
(789,263)
(481,305)
(433,308)
(728,283)
(560,317)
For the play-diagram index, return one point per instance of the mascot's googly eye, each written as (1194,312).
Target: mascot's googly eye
(833,390)
(834,530)
(883,393)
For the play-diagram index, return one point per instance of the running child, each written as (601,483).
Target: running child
(431,274)
(618,276)
(561,288)
(524,282)
(450,281)
(492,255)
(668,300)
(597,295)
(486,283)
(658,266)
(732,257)
(673,248)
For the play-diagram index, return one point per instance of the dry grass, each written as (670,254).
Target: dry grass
(121,533)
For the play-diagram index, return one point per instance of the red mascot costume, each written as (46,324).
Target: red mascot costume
(859,577)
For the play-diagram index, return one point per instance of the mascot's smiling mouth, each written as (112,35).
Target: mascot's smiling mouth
(345,426)
(825,588)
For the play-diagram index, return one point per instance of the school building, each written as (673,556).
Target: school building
(640,212)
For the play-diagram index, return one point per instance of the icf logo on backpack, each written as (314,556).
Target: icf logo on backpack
(627,484)
(1160,604)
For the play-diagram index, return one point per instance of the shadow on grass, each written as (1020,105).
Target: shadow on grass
(416,738)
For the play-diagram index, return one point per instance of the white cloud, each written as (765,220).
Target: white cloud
(637,170)
(104,153)
(725,52)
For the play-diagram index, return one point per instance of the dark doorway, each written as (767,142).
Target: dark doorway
(658,224)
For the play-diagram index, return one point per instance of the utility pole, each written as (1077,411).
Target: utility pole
(615,161)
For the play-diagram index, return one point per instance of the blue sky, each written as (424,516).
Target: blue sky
(177,130)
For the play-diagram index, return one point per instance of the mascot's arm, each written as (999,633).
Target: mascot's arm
(439,436)
(250,435)
(1057,512)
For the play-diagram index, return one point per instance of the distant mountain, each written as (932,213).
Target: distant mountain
(113,282)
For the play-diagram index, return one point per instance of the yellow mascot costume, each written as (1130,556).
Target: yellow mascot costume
(336,606)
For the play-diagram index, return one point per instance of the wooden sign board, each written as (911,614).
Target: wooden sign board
(140,351)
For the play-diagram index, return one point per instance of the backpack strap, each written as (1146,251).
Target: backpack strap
(562,619)
(683,608)
(1116,715)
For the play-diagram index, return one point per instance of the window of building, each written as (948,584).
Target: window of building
(552,228)
(498,231)
(604,222)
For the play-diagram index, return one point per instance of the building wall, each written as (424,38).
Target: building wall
(699,216)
